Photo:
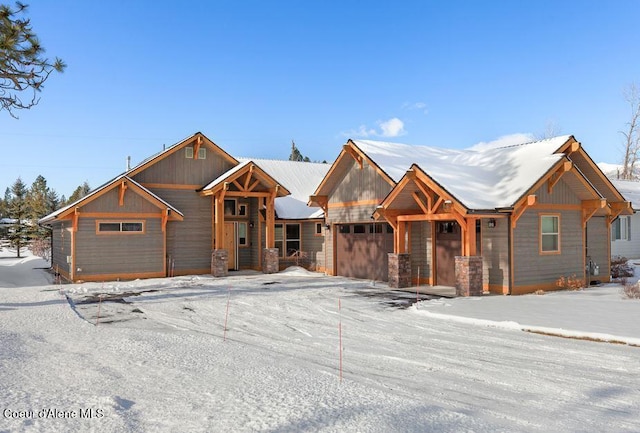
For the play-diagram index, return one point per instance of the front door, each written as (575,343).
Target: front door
(448,246)
(230,243)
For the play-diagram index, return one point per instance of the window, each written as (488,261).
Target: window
(202,153)
(550,233)
(359,228)
(318,231)
(621,229)
(345,229)
(119,227)
(229,207)
(287,238)
(242,209)
(242,234)
(188,152)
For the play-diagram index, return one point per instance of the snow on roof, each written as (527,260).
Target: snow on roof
(226,174)
(301,179)
(630,189)
(481,179)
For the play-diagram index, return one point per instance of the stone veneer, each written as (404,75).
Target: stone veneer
(468,276)
(270,260)
(399,270)
(220,263)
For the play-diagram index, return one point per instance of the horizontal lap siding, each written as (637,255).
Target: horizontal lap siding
(629,248)
(360,184)
(420,250)
(189,241)
(531,267)
(495,255)
(312,245)
(597,245)
(118,253)
(61,246)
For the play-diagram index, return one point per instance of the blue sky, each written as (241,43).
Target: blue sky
(253,75)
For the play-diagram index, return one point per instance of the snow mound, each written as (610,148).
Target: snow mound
(298,271)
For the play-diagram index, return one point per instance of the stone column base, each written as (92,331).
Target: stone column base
(399,270)
(468,276)
(270,260)
(220,263)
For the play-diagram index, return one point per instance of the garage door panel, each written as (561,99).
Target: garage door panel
(363,255)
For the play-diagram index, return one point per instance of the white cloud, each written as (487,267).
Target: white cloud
(393,127)
(416,106)
(505,140)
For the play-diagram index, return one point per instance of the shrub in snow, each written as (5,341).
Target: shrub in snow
(620,268)
(41,248)
(631,291)
(570,283)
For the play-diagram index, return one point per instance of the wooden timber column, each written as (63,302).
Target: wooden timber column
(219,256)
(270,260)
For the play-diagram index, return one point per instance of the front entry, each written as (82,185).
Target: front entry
(448,246)
(230,243)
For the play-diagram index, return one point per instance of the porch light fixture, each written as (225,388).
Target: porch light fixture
(327,226)
(491,223)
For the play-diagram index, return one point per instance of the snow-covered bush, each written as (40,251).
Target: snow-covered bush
(631,291)
(620,267)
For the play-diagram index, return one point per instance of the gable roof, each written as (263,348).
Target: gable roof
(301,179)
(144,192)
(198,137)
(234,173)
(630,189)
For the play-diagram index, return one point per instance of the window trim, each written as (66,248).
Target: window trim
(284,239)
(202,152)
(188,152)
(317,231)
(244,214)
(235,207)
(246,243)
(558,234)
(120,232)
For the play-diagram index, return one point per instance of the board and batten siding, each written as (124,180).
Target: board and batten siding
(176,169)
(421,251)
(597,247)
(495,256)
(118,254)
(531,267)
(61,247)
(189,242)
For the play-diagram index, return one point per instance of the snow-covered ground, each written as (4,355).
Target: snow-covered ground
(154,355)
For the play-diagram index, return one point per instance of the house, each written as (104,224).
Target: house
(507,220)
(190,209)
(625,230)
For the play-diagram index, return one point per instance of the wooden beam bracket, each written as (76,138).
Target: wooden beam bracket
(351,151)
(555,177)
(517,213)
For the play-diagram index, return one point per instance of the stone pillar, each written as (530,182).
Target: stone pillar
(468,276)
(399,270)
(270,260)
(220,263)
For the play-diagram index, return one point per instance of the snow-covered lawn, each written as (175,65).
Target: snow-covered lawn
(158,360)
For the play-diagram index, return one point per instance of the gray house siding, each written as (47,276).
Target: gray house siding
(119,254)
(360,184)
(61,247)
(189,242)
(597,246)
(533,267)
(109,202)
(495,256)
(421,251)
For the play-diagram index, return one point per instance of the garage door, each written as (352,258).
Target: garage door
(361,250)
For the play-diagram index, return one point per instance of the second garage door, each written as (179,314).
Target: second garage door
(361,250)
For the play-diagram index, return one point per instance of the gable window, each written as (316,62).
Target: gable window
(229,207)
(550,233)
(287,238)
(202,153)
(115,227)
(621,229)
(188,152)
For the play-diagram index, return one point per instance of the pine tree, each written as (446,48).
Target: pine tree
(79,192)
(18,210)
(37,203)
(23,69)
(295,154)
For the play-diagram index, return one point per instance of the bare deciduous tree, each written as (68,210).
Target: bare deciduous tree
(551,129)
(631,144)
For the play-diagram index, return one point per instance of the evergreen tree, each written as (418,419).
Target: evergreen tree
(23,69)
(53,202)
(79,192)
(295,154)
(37,203)
(2,208)
(18,210)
